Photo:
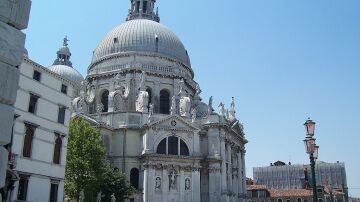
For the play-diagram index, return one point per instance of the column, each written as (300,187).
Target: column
(145,183)
(182,185)
(151,184)
(164,184)
(214,182)
(244,174)
(240,185)
(196,144)
(229,171)
(195,185)
(223,164)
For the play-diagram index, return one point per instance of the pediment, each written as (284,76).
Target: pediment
(173,122)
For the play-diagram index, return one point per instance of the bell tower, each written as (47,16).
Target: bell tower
(143,9)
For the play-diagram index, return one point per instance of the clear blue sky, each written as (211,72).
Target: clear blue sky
(282,60)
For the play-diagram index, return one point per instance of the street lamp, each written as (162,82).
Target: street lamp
(312,149)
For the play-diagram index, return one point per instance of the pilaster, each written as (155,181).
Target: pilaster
(165,185)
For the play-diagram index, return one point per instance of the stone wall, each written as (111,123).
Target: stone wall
(14,16)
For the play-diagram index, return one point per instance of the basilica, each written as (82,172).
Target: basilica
(141,94)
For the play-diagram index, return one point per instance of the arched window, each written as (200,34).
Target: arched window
(164,102)
(172,146)
(134,178)
(184,150)
(105,100)
(148,90)
(28,139)
(57,149)
(279,200)
(299,200)
(161,149)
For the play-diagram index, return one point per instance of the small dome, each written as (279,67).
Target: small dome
(142,35)
(68,73)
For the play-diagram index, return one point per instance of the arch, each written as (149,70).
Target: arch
(105,100)
(164,102)
(173,145)
(134,178)
(57,150)
(298,200)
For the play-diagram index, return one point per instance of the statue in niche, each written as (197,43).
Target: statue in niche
(142,80)
(222,109)
(88,92)
(172,181)
(185,105)
(78,105)
(81,196)
(173,106)
(187,184)
(113,198)
(193,115)
(158,183)
(120,97)
(142,101)
(151,112)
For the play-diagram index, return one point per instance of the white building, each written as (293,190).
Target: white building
(40,132)
(141,91)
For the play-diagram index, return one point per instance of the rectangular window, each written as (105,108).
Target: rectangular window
(63,88)
(137,6)
(23,187)
(61,115)
(54,191)
(28,140)
(32,103)
(57,149)
(145,6)
(37,75)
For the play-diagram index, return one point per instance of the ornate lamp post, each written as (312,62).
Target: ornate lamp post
(312,149)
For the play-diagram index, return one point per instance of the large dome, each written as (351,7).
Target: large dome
(142,35)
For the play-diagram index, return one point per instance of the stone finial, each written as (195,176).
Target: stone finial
(222,110)
(211,109)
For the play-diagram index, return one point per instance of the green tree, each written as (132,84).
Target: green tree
(114,181)
(87,167)
(85,157)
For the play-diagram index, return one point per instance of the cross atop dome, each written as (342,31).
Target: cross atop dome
(143,9)
(63,54)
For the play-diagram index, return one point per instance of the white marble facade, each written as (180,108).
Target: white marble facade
(140,91)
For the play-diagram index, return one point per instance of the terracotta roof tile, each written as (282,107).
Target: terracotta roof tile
(290,192)
(256,186)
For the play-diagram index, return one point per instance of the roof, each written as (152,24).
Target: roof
(141,35)
(256,187)
(68,73)
(290,192)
